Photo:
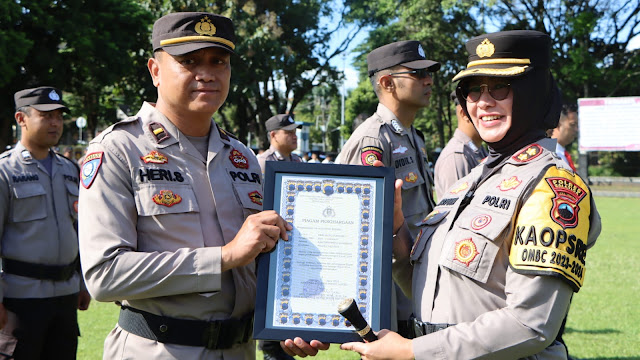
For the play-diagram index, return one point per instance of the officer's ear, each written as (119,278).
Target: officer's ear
(154,68)
(20,117)
(386,83)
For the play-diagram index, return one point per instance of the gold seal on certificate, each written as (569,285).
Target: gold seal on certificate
(340,247)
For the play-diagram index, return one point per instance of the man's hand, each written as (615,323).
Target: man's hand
(3,316)
(302,348)
(83,300)
(389,345)
(258,234)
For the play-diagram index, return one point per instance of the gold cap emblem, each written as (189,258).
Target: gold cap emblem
(205,27)
(485,48)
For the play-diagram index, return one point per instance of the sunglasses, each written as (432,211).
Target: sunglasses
(419,73)
(498,91)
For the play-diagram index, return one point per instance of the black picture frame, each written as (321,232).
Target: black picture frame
(276,315)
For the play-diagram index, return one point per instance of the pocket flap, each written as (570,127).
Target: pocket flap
(469,255)
(27,190)
(489,225)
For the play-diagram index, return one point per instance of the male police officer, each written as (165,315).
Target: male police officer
(283,139)
(41,285)
(401,78)
(463,152)
(169,216)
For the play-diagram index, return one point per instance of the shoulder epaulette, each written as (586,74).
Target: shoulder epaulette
(226,135)
(420,134)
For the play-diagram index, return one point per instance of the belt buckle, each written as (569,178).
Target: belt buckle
(211,335)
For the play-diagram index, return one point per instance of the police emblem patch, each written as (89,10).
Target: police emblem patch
(154,157)
(256,197)
(238,160)
(166,198)
(480,221)
(205,27)
(565,202)
(411,177)
(90,167)
(461,187)
(485,48)
(509,184)
(369,154)
(465,251)
(528,154)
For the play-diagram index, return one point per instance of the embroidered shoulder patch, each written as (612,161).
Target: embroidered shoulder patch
(460,187)
(238,160)
(528,154)
(154,157)
(552,229)
(90,166)
(369,154)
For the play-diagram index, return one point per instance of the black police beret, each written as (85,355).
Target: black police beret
(184,32)
(281,121)
(406,53)
(507,54)
(44,98)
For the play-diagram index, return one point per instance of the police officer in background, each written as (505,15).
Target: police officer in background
(565,133)
(283,139)
(463,152)
(41,287)
(401,78)
(282,136)
(170,220)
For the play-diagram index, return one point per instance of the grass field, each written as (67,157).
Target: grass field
(604,321)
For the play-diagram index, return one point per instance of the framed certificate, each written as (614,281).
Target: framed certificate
(340,247)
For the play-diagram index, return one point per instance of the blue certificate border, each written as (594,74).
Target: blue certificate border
(329,328)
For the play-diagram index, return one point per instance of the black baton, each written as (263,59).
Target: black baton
(350,311)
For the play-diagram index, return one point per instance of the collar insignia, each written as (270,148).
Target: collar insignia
(154,157)
(256,197)
(465,251)
(26,155)
(90,167)
(167,198)
(509,184)
(158,132)
(528,154)
(396,126)
(565,202)
(238,160)
(480,221)
(463,186)
(485,48)
(411,177)
(205,27)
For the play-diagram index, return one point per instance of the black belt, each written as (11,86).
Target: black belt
(424,328)
(40,271)
(221,334)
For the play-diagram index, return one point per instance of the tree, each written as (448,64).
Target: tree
(91,50)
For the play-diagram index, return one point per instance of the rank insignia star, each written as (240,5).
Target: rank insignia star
(528,154)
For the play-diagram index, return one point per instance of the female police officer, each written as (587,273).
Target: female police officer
(495,266)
